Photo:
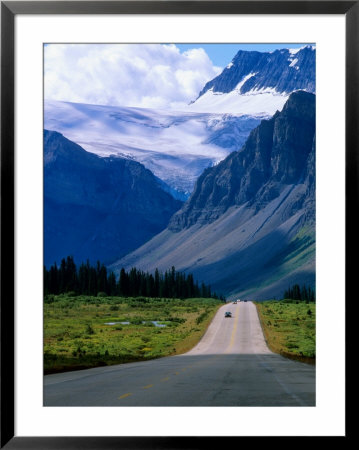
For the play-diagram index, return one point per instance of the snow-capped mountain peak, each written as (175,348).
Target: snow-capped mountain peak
(259,83)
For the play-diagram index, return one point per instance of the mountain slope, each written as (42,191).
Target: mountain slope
(249,227)
(98,208)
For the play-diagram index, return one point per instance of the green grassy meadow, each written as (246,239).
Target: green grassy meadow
(289,328)
(76,335)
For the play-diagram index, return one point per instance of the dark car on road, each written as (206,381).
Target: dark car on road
(227,314)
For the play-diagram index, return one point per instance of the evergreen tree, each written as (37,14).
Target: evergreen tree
(84,278)
(54,280)
(62,276)
(46,281)
(150,286)
(89,280)
(123,284)
(101,278)
(302,293)
(92,281)
(157,283)
(71,275)
(111,285)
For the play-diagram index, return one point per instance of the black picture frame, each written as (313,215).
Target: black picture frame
(9,9)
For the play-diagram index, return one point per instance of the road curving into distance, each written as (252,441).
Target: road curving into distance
(230,366)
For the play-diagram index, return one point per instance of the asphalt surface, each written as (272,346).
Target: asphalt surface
(230,366)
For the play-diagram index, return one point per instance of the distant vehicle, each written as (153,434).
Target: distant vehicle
(244,300)
(234,303)
(227,314)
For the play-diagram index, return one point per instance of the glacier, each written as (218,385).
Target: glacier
(175,145)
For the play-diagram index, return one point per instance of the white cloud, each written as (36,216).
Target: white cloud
(142,75)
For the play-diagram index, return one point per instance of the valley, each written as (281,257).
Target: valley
(224,188)
(220,186)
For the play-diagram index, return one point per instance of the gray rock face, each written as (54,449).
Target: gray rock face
(281,70)
(249,227)
(276,154)
(98,208)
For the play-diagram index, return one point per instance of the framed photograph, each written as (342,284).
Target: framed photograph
(176,182)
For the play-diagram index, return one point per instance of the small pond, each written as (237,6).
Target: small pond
(155,323)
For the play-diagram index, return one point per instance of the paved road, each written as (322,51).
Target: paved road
(230,366)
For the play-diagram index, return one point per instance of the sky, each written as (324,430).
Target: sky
(222,54)
(160,76)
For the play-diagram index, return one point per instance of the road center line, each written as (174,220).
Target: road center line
(148,386)
(125,395)
(234,331)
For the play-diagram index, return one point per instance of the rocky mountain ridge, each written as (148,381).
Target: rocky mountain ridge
(275,154)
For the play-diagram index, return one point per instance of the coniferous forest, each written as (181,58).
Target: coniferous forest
(297,292)
(96,281)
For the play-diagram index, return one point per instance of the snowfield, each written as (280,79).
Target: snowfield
(264,102)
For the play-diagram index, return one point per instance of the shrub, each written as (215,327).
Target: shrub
(89,329)
(142,299)
(180,319)
(292,345)
(201,318)
(136,321)
(49,299)
(49,357)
